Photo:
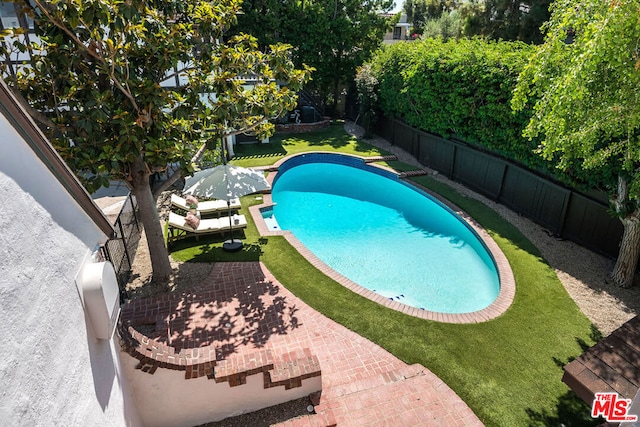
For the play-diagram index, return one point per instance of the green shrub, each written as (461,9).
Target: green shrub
(459,88)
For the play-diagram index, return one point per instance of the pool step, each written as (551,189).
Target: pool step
(409,174)
(372,159)
(267,168)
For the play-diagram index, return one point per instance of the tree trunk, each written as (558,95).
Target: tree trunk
(151,221)
(625,268)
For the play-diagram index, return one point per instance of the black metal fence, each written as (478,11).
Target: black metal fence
(120,250)
(581,218)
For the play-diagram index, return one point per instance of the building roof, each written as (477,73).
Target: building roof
(612,365)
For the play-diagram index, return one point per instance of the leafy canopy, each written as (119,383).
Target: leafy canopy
(506,19)
(586,79)
(333,37)
(457,88)
(420,12)
(104,74)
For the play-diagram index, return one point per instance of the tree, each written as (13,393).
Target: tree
(367,86)
(586,80)
(334,37)
(420,12)
(94,83)
(448,26)
(506,19)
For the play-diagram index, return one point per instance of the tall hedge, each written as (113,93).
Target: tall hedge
(458,88)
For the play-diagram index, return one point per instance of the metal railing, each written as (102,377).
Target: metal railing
(120,250)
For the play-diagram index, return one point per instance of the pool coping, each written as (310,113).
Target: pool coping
(505,273)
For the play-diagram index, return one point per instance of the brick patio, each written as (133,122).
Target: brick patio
(240,313)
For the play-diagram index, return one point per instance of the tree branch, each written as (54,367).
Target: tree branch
(164,186)
(35,114)
(177,174)
(91,52)
(248,129)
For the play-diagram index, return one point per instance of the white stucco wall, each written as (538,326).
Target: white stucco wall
(167,399)
(54,372)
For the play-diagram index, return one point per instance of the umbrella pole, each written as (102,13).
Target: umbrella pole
(229,245)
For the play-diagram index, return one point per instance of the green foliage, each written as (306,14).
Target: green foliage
(97,72)
(584,86)
(367,86)
(332,37)
(420,12)
(506,19)
(458,88)
(448,26)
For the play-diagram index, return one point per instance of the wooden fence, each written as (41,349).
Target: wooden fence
(567,213)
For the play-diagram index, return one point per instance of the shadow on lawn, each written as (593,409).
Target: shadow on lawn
(256,151)
(332,137)
(209,249)
(570,410)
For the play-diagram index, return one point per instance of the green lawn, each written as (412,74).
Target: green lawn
(507,370)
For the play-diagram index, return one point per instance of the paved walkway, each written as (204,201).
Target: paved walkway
(241,308)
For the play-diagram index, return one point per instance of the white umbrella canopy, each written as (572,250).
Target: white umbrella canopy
(225,182)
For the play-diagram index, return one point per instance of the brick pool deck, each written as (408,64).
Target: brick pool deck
(241,309)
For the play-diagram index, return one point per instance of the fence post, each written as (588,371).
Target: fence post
(454,156)
(563,214)
(124,241)
(134,207)
(502,179)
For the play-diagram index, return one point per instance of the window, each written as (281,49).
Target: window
(9,16)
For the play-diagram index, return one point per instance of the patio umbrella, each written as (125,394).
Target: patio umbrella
(226,182)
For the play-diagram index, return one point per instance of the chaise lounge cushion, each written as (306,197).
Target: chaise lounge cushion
(206,226)
(191,201)
(206,207)
(192,221)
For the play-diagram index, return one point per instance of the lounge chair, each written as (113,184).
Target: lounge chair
(207,207)
(178,227)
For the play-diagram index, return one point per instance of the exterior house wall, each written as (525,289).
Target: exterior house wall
(167,399)
(399,32)
(54,370)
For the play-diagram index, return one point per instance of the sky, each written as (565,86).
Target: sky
(398,7)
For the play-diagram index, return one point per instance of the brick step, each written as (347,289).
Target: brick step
(396,397)
(373,381)
(293,369)
(288,370)
(417,172)
(372,159)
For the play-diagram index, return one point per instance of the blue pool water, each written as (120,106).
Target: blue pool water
(384,235)
(269,219)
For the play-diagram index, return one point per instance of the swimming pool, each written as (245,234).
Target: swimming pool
(384,234)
